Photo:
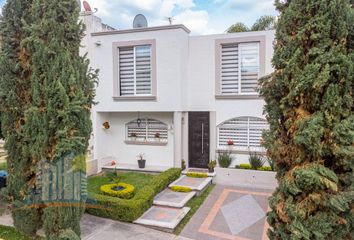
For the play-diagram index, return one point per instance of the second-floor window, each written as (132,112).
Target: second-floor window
(135,70)
(239,68)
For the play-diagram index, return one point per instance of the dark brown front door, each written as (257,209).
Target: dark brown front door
(199,139)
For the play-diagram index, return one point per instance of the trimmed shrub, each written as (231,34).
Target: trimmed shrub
(244,166)
(265,168)
(161,181)
(180,189)
(197,175)
(126,193)
(128,210)
(224,160)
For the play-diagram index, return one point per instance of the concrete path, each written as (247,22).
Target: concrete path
(95,228)
(232,213)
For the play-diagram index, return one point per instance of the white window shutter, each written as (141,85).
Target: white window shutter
(245,132)
(229,69)
(126,71)
(147,130)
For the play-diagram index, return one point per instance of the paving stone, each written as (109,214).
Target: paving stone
(196,184)
(242,213)
(163,217)
(170,198)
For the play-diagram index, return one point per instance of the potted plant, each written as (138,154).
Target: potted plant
(157,136)
(141,160)
(133,136)
(230,144)
(106,125)
(211,166)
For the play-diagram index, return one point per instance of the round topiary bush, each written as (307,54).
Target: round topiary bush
(121,190)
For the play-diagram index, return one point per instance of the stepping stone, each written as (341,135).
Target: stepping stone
(163,217)
(196,184)
(170,198)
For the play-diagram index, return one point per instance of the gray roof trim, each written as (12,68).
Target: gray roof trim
(146,29)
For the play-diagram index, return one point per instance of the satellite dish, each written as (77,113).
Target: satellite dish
(140,21)
(87,6)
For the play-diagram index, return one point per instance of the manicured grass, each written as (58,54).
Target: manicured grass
(194,204)
(138,180)
(3,166)
(10,233)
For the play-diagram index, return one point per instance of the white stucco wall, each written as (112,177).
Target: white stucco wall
(171,70)
(185,67)
(109,144)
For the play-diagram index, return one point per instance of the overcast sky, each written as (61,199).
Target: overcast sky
(200,16)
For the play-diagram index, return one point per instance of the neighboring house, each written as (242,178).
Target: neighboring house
(174,96)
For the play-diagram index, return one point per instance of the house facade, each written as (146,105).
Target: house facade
(174,96)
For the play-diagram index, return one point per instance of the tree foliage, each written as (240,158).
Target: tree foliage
(309,104)
(265,22)
(14,102)
(46,93)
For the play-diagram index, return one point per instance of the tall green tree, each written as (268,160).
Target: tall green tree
(266,22)
(46,93)
(15,100)
(309,103)
(62,88)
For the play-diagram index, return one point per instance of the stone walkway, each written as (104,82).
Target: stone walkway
(95,228)
(231,213)
(169,209)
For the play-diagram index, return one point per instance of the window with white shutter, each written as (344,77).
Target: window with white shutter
(146,130)
(135,71)
(245,132)
(240,67)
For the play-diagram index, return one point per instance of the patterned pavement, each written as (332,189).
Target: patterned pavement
(231,213)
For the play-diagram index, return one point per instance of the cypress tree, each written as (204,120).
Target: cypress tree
(58,121)
(15,99)
(309,104)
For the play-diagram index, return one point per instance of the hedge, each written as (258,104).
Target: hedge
(128,210)
(126,193)
(181,189)
(197,175)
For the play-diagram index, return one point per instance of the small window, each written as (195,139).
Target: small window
(146,130)
(240,68)
(245,132)
(135,71)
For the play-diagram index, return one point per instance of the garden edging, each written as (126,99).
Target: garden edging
(245,178)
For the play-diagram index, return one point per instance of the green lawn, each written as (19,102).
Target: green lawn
(3,166)
(194,204)
(9,233)
(138,180)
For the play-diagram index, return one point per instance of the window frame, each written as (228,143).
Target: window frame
(146,140)
(218,65)
(236,148)
(116,72)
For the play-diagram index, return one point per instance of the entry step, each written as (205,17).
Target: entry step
(196,184)
(163,218)
(169,198)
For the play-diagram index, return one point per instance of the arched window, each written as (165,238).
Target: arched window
(146,130)
(245,132)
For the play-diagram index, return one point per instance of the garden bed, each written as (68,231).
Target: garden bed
(146,188)
(246,178)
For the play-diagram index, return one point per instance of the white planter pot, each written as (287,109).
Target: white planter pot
(245,178)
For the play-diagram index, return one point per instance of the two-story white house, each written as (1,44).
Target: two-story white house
(172,96)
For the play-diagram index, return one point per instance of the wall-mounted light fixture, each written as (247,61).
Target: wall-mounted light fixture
(98,43)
